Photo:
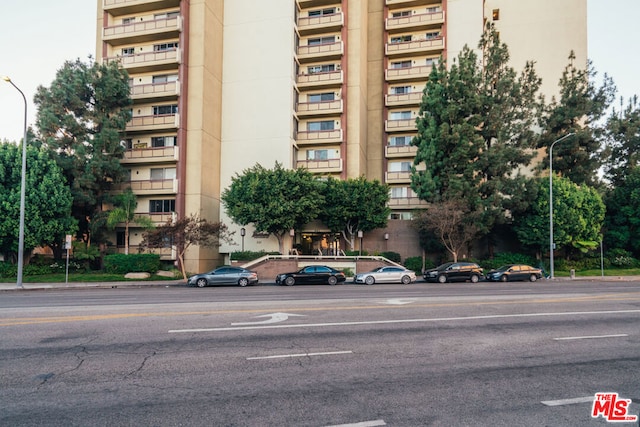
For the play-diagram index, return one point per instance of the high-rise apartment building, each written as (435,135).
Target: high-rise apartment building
(333,86)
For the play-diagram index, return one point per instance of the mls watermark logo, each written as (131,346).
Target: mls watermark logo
(612,408)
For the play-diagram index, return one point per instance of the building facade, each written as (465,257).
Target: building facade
(333,86)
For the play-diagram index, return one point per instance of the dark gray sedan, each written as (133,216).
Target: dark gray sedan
(226,275)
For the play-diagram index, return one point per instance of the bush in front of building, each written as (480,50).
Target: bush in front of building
(505,258)
(415,263)
(392,256)
(132,263)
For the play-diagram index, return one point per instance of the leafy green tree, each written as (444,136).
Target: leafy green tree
(578,216)
(47,202)
(80,119)
(622,222)
(355,204)
(580,107)
(623,141)
(124,211)
(274,200)
(475,132)
(184,233)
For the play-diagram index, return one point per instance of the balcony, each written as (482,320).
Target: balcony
(408,74)
(126,7)
(407,203)
(403,177)
(150,61)
(156,91)
(405,125)
(394,151)
(319,137)
(413,98)
(415,47)
(151,155)
(309,109)
(150,186)
(304,4)
(393,4)
(320,80)
(422,21)
(321,166)
(153,123)
(143,31)
(320,24)
(320,52)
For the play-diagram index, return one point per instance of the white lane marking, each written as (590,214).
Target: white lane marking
(399,301)
(562,402)
(386,322)
(591,337)
(374,423)
(274,318)
(284,356)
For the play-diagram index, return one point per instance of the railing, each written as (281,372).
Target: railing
(147,58)
(325,107)
(320,21)
(311,259)
(413,20)
(152,153)
(155,89)
(329,77)
(142,27)
(318,137)
(327,48)
(421,71)
(415,45)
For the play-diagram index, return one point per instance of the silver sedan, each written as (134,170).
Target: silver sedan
(388,274)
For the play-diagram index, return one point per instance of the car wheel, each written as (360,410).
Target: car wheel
(289,281)
(533,278)
(405,280)
(369,280)
(474,278)
(201,283)
(504,278)
(332,280)
(442,278)
(243,281)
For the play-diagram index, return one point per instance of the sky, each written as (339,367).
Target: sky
(36,38)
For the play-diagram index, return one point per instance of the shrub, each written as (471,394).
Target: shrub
(132,263)
(621,258)
(415,263)
(392,256)
(505,258)
(355,253)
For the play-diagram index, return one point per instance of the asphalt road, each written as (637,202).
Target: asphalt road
(486,354)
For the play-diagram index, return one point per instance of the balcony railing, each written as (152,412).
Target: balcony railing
(138,62)
(319,108)
(321,166)
(403,99)
(331,78)
(406,203)
(401,150)
(150,186)
(311,24)
(151,155)
(415,46)
(142,30)
(423,20)
(157,122)
(155,90)
(124,7)
(319,137)
(398,177)
(327,50)
(400,125)
(409,73)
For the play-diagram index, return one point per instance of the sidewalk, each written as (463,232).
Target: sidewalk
(90,285)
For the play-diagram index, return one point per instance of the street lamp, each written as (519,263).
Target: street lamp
(360,236)
(551,201)
(242,233)
(22,187)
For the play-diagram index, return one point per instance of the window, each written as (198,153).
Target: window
(163,141)
(161,110)
(318,126)
(432,61)
(163,173)
(321,154)
(127,21)
(165,46)
(434,9)
(400,39)
(320,12)
(164,78)
(162,206)
(120,240)
(399,193)
(496,14)
(400,115)
(400,90)
(321,40)
(401,14)
(320,97)
(400,141)
(326,68)
(128,143)
(401,64)
(401,215)
(433,35)
(166,15)
(400,167)
(128,51)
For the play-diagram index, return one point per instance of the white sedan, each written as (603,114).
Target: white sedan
(388,274)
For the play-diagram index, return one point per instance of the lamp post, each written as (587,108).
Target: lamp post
(22,187)
(551,201)
(360,236)
(242,233)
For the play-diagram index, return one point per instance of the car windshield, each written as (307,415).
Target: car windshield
(445,266)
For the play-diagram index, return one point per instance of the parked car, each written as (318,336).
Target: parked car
(312,274)
(454,271)
(224,276)
(513,272)
(387,274)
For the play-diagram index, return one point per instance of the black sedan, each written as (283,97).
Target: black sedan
(312,274)
(224,276)
(514,272)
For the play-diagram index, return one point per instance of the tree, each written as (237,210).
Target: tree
(451,222)
(125,211)
(274,200)
(184,233)
(475,132)
(79,121)
(578,216)
(581,105)
(623,140)
(47,202)
(622,223)
(355,204)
